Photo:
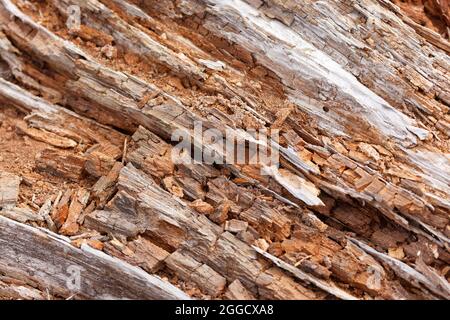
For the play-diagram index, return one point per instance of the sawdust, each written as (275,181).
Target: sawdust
(428,13)
(18,152)
(17,156)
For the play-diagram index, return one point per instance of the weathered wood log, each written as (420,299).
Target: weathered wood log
(10,289)
(238,12)
(358,90)
(54,264)
(173,224)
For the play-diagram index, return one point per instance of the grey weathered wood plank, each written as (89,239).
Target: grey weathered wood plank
(47,261)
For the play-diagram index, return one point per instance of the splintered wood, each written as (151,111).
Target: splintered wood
(354,96)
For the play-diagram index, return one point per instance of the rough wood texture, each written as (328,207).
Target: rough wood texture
(51,259)
(359,208)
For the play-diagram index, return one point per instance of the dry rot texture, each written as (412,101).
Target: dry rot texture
(91,198)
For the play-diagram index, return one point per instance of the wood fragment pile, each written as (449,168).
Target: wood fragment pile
(93,205)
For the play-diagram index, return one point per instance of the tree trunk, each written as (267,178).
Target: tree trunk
(357,209)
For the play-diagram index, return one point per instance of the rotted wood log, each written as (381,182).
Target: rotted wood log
(52,263)
(357,209)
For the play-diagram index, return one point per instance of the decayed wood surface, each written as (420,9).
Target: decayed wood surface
(359,208)
(47,261)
